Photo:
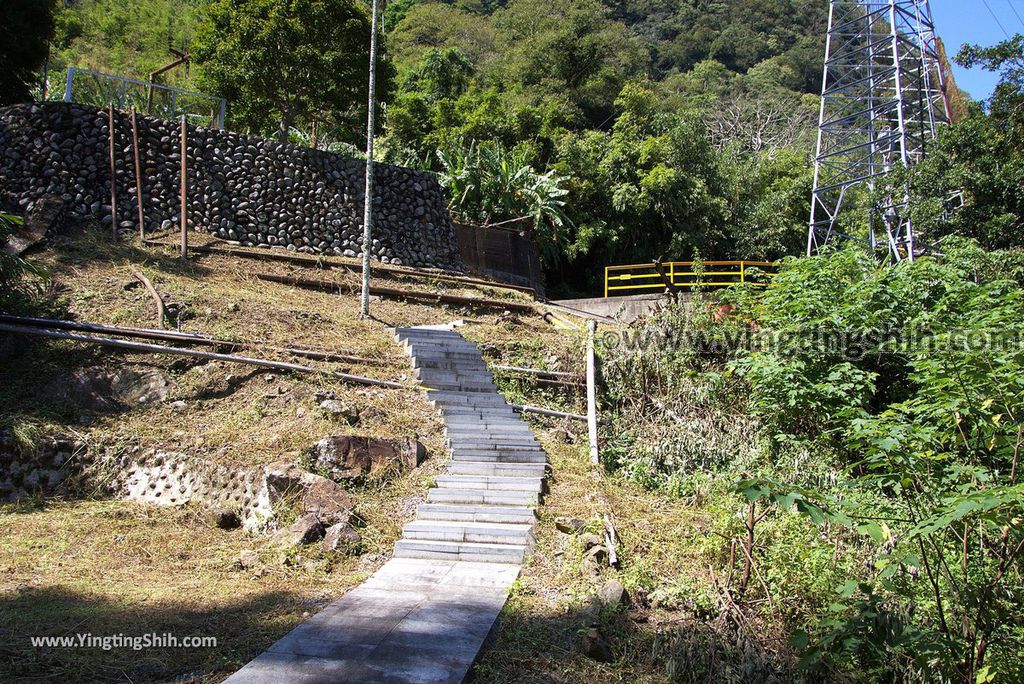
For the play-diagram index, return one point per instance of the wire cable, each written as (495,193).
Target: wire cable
(1015,12)
(998,23)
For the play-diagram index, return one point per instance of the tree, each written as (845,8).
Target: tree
(1006,59)
(293,58)
(26,27)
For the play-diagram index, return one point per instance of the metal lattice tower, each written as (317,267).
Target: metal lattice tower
(883,100)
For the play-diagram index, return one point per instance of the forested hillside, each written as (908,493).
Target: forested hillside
(621,130)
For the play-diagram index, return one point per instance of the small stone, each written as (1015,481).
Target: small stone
(613,594)
(234,307)
(341,536)
(592,540)
(226,519)
(305,530)
(569,525)
(177,405)
(247,560)
(595,646)
(598,555)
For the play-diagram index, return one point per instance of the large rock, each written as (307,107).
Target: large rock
(109,390)
(315,495)
(348,457)
(305,530)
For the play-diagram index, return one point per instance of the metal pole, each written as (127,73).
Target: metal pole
(364,310)
(184,189)
(67,85)
(138,174)
(592,393)
(113,172)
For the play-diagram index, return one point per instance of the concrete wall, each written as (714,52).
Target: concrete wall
(241,188)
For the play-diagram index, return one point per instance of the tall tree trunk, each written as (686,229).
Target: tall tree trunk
(287,117)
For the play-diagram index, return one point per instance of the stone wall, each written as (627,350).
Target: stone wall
(241,188)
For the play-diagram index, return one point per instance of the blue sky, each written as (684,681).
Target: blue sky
(970,21)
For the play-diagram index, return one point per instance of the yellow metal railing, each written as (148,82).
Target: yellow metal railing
(684,275)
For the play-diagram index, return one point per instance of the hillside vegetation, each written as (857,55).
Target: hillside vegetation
(817,481)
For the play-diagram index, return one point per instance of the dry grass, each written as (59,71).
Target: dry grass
(665,552)
(114,567)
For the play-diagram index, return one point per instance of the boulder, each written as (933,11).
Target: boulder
(107,390)
(316,496)
(348,457)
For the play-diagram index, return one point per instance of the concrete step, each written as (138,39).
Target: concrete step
(472,532)
(443,386)
(449,364)
(499,469)
(495,497)
(433,353)
(491,483)
(467,399)
(462,551)
(486,442)
(502,411)
(483,430)
(436,375)
(492,456)
(470,513)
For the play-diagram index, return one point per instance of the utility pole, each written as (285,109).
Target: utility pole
(883,101)
(364,310)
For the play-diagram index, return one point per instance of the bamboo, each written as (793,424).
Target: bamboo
(592,394)
(113,171)
(547,412)
(397,293)
(161,314)
(324,261)
(212,356)
(138,175)
(535,371)
(188,338)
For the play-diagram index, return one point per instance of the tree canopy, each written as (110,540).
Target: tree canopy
(26,27)
(278,61)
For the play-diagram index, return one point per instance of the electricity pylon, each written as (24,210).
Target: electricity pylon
(883,101)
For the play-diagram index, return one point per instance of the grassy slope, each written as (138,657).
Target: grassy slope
(110,567)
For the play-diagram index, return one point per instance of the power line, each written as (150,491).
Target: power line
(1014,10)
(998,23)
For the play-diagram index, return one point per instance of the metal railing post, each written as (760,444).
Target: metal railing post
(67,86)
(184,189)
(113,172)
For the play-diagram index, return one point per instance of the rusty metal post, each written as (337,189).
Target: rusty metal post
(113,171)
(184,190)
(138,174)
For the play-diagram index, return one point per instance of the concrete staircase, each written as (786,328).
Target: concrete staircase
(483,508)
(423,617)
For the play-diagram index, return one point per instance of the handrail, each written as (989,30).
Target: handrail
(643,278)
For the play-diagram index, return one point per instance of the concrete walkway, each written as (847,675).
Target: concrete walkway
(425,615)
